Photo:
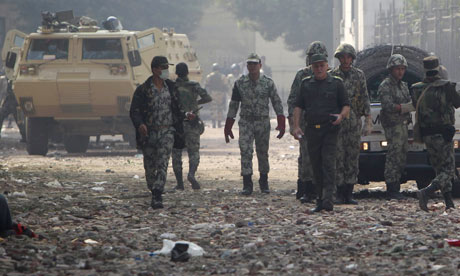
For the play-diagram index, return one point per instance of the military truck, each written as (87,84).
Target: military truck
(373,147)
(73,82)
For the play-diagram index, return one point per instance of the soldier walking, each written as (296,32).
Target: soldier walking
(394,116)
(156,116)
(305,188)
(188,93)
(436,100)
(348,143)
(325,103)
(253,92)
(216,85)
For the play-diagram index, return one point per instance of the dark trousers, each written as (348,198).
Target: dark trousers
(322,145)
(5,216)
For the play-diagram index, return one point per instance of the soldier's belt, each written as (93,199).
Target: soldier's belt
(318,126)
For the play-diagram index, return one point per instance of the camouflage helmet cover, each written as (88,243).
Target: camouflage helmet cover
(345,48)
(317,47)
(396,60)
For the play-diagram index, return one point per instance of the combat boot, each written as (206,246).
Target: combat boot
(393,191)
(348,195)
(319,206)
(247,185)
(423,197)
(191,176)
(448,201)
(179,179)
(323,205)
(340,195)
(263,183)
(301,189)
(309,194)
(157,200)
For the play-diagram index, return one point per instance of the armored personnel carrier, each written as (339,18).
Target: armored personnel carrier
(73,81)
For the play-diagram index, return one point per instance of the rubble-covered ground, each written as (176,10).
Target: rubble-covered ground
(92,212)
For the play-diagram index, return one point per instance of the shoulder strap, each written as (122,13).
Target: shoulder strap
(419,100)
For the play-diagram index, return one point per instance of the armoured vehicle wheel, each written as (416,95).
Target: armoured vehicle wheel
(130,138)
(37,136)
(76,143)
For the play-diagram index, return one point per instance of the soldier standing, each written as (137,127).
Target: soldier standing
(8,105)
(305,187)
(394,116)
(436,100)
(253,92)
(216,85)
(325,103)
(234,75)
(188,93)
(348,144)
(156,116)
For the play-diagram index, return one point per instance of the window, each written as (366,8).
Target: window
(18,41)
(145,41)
(102,48)
(48,49)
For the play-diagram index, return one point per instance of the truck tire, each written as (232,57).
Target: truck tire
(76,143)
(37,136)
(373,62)
(130,138)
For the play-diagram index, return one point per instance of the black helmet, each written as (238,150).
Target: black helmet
(181,69)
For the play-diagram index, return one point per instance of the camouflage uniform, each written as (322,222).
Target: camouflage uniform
(188,92)
(436,118)
(393,93)
(159,111)
(305,173)
(254,123)
(216,85)
(8,105)
(348,144)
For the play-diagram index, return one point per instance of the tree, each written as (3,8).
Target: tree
(182,15)
(298,22)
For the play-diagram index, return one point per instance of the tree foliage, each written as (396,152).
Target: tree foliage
(298,22)
(182,15)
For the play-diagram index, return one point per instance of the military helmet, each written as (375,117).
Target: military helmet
(235,67)
(215,67)
(345,48)
(396,60)
(317,47)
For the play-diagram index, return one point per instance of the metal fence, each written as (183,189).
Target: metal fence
(434,28)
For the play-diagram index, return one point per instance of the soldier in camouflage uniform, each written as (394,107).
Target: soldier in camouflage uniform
(435,100)
(156,116)
(253,92)
(348,143)
(305,188)
(188,92)
(216,85)
(8,105)
(395,115)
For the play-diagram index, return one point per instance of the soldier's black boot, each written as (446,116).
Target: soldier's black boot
(247,185)
(319,206)
(340,195)
(179,179)
(448,201)
(348,195)
(423,196)
(309,194)
(191,176)
(393,191)
(263,183)
(157,200)
(301,189)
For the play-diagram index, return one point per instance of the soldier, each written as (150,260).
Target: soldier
(216,84)
(8,106)
(234,75)
(435,100)
(253,92)
(348,144)
(188,92)
(305,187)
(394,116)
(156,116)
(325,103)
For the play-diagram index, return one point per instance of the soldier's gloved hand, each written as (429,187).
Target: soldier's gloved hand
(367,130)
(228,129)
(281,125)
(143,130)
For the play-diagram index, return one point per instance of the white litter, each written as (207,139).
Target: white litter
(193,249)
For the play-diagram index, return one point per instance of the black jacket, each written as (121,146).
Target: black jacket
(139,111)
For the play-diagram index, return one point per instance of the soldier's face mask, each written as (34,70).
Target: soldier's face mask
(164,74)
